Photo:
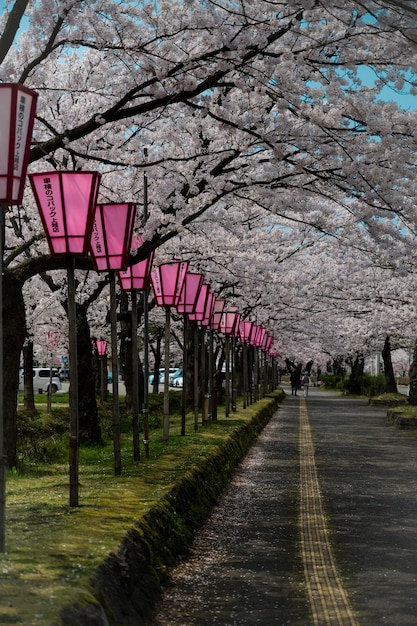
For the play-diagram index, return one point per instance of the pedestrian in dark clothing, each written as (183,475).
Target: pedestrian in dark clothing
(295,383)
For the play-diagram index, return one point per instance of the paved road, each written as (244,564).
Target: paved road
(318,527)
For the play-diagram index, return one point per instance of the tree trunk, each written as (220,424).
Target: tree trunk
(355,378)
(157,364)
(391,385)
(14,334)
(412,397)
(28,395)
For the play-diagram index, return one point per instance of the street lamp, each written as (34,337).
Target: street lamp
(66,202)
(205,323)
(229,324)
(137,278)
(101,346)
(253,362)
(261,361)
(198,316)
(110,246)
(167,281)
(186,305)
(245,328)
(17,116)
(219,305)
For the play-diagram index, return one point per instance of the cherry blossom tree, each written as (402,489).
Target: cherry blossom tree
(255,130)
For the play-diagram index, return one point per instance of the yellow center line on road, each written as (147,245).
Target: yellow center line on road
(328,599)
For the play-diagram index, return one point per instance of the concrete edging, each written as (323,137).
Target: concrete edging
(126,586)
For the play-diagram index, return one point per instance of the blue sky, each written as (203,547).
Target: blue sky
(405,100)
(367,75)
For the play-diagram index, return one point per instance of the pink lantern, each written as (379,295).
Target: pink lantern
(189,293)
(268,343)
(18,108)
(200,307)
(167,281)
(229,321)
(217,313)
(112,236)
(252,334)
(66,203)
(52,338)
(244,330)
(208,311)
(260,336)
(101,347)
(137,277)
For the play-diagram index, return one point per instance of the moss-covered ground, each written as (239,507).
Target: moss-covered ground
(52,549)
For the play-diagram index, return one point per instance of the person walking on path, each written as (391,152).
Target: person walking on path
(306,383)
(295,382)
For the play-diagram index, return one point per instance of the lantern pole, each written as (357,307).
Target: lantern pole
(245,375)
(115,377)
(227,376)
(3,460)
(210,373)
(184,376)
(135,376)
(234,377)
(196,348)
(145,408)
(103,371)
(73,378)
(166,375)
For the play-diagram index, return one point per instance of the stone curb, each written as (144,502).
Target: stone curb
(126,586)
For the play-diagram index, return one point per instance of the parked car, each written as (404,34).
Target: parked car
(41,380)
(178,382)
(161,376)
(173,375)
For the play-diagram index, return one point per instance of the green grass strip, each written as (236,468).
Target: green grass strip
(54,552)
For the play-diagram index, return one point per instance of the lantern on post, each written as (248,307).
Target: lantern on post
(216,317)
(101,347)
(137,278)
(253,367)
(245,328)
(167,282)
(186,305)
(110,246)
(18,108)
(205,323)
(229,325)
(197,316)
(261,361)
(66,202)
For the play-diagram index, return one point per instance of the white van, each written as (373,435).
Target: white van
(41,378)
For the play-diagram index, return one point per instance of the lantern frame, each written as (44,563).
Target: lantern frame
(111,236)
(205,322)
(66,201)
(216,317)
(253,334)
(137,277)
(260,336)
(245,327)
(229,321)
(198,314)
(101,345)
(16,126)
(167,280)
(189,293)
